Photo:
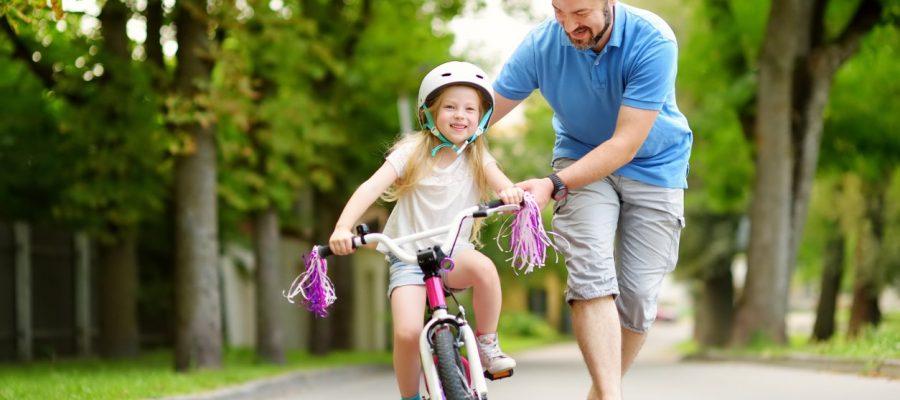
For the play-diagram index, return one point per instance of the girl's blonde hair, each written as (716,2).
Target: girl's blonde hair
(421,163)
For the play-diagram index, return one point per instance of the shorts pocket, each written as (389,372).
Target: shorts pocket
(676,241)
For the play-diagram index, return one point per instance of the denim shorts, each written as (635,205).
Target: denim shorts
(404,274)
(623,238)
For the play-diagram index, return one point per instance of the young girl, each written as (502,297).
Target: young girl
(432,175)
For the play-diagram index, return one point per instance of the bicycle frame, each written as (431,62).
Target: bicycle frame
(430,261)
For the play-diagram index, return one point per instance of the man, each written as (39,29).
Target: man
(621,160)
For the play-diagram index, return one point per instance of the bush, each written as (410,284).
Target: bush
(525,324)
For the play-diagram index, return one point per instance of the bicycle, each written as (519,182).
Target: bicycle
(448,375)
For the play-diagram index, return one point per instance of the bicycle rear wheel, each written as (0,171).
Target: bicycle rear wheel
(450,369)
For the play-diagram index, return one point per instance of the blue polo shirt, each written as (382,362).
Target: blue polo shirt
(636,68)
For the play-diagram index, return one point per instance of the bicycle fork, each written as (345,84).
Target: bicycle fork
(476,377)
(437,303)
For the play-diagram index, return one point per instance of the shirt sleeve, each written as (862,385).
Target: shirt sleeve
(518,78)
(652,76)
(488,159)
(398,158)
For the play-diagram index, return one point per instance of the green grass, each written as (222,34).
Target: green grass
(521,330)
(878,343)
(151,375)
(875,343)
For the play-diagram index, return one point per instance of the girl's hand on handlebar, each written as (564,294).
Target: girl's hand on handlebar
(512,195)
(341,242)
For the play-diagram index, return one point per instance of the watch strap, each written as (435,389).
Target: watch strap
(557,184)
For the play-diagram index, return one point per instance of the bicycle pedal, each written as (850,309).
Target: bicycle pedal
(498,375)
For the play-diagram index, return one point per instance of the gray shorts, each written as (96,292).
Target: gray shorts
(622,238)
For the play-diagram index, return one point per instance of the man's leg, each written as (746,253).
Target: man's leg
(649,230)
(631,344)
(596,326)
(587,220)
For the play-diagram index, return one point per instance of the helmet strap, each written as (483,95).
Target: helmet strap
(482,127)
(429,124)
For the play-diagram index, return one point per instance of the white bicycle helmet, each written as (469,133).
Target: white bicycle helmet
(453,73)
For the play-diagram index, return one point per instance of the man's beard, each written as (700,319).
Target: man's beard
(592,42)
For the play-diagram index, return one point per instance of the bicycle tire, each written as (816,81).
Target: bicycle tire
(450,371)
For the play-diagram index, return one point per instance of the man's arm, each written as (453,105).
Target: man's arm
(632,127)
(502,106)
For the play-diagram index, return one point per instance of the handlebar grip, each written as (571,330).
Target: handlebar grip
(493,203)
(324,250)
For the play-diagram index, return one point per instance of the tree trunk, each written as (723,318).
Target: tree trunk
(119,335)
(814,75)
(198,336)
(113,19)
(833,271)
(867,280)
(797,67)
(865,310)
(118,298)
(715,310)
(333,332)
(153,44)
(763,304)
(269,329)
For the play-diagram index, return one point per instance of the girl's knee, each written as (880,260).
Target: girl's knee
(407,335)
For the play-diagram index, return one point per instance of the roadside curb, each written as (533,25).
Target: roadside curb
(285,384)
(887,368)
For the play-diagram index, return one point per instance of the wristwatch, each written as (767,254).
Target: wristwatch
(560,191)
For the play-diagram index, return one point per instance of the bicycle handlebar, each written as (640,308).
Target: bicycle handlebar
(393,244)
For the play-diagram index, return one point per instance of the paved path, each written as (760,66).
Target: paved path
(557,372)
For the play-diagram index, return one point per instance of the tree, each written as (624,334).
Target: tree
(261,136)
(854,141)
(198,338)
(110,181)
(717,97)
(799,59)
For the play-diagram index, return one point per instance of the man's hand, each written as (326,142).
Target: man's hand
(540,188)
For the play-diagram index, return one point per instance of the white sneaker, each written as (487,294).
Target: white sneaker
(492,358)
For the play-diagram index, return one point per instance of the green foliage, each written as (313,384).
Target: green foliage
(33,166)
(716,74)
(858,159)
(94,154)
(267,116)
(120,169)
(307,94)
(18,12)
(523,324)
(856,128)
(526,151)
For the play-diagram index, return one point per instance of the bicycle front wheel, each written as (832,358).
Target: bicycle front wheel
(450,370)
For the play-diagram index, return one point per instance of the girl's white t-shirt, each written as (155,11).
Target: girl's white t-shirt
(434,202)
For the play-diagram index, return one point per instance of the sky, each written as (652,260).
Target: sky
(490,36)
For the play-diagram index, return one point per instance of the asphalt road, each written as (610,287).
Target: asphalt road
(557,372)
